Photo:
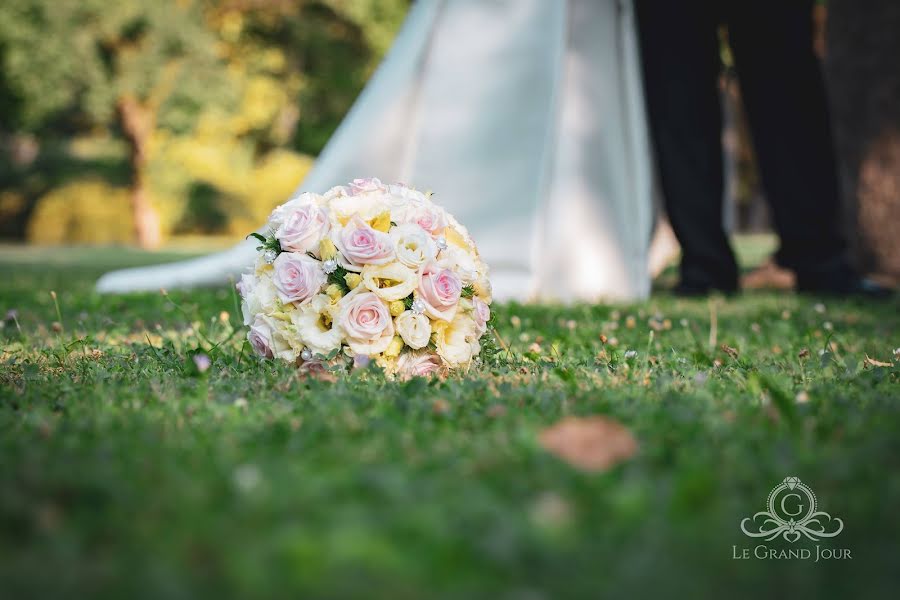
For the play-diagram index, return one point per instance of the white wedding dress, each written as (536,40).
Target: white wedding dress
(526,118)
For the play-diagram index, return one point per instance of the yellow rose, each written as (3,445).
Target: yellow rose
(396,307)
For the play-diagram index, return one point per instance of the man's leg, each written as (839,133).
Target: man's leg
(784,94)
(680,56)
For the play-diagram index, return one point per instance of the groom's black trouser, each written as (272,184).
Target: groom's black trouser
(784,96)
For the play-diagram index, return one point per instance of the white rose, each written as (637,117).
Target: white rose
(390,282)
(336,192)
(413,245)
(456,341)
(415,329)
(316,325)
(406,194)
(258,296)
(366,206)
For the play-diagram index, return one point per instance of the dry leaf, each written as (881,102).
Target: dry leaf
(732,352)
(589,443)
(877,363)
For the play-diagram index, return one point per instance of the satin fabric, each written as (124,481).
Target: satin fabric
(526,119)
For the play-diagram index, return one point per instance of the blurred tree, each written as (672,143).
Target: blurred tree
(326,51)
(130,66)
(861,63)
(174,96)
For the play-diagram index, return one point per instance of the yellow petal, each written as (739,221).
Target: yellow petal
(381,222)
(326,249)
(395,347)
(453,237)
(352,280)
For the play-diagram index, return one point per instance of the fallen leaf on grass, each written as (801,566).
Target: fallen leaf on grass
(589,443)
(732,352)
(877,363)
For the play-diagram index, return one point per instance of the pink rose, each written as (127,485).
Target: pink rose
(303,228)
(430,218)
(362,245)
(418,364)
(481,314)
(367,323)
(297,277)
(370,184)
(260,337)
(440,289)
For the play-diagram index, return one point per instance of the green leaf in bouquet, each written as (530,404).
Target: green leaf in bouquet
(337,278)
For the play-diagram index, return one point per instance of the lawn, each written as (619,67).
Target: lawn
(127,473)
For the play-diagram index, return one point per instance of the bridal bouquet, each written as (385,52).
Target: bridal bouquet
(367,272)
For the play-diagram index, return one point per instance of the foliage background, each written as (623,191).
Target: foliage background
(208,111)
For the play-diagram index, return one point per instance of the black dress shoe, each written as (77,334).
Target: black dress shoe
(849,287)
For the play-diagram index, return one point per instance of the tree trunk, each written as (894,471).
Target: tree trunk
(138,122)
(861,66)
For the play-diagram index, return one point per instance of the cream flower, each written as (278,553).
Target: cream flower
(413,245)
(316,325)
(457,341)
(366,322)
(461,262)
(415,329)
(258,295)
(483,289)
(365,205)
(270,338)
(390,282)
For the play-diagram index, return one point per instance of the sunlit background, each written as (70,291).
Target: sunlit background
(136,121)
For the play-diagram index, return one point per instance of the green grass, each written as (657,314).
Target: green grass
(124,473)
